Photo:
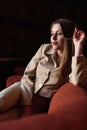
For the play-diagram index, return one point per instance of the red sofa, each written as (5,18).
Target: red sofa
(18,72)
(67,111)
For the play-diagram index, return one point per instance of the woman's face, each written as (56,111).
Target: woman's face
(57,37)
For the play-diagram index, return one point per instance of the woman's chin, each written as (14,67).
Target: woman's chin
(55,47)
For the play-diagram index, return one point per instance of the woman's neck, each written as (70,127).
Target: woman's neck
(60,53)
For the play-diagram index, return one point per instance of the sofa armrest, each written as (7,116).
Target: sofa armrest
(18,72)
(12,79)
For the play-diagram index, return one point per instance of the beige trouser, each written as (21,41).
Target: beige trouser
(9,98)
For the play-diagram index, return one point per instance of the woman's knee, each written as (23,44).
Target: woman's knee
(9,96)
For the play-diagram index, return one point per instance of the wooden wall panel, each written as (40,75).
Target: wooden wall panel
(24,24)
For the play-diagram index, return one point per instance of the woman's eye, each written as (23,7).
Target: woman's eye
(56,34)
(59,33)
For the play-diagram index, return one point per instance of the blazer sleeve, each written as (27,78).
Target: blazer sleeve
(78,74)
(27,81)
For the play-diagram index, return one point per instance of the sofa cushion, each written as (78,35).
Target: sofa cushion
(37,122)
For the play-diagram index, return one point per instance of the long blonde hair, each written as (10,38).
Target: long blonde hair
(68,51)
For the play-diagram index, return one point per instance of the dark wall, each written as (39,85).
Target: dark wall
(24,24)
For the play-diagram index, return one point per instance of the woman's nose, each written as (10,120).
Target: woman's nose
(55,37)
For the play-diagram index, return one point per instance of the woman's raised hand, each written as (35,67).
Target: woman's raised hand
(78,39)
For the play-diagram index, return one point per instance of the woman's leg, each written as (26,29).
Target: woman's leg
(9,97)
(11,114)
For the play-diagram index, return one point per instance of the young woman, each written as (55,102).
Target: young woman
(53,65)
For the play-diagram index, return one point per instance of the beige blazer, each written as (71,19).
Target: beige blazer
(39,72)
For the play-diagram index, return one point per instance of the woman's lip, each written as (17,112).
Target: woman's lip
(54,43)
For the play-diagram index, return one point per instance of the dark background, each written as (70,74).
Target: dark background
(25,25)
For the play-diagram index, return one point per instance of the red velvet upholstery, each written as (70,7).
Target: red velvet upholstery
(18,72)
(71,102)
(67,111)
(12,79)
